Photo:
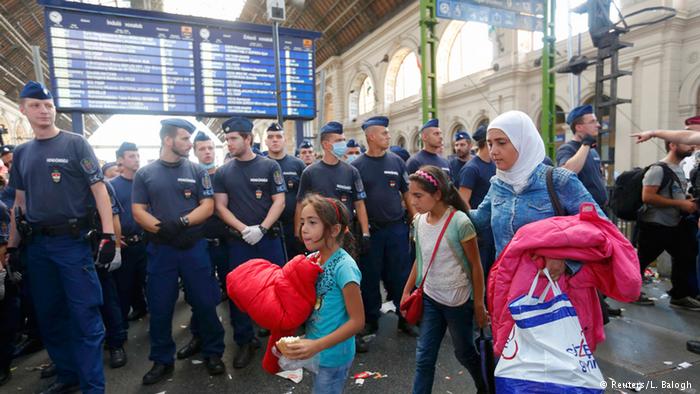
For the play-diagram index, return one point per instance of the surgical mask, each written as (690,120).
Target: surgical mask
(209,166)
(339,149)
(351,158)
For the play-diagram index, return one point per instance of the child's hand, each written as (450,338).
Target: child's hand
(482,316)
(406,295)
(302,349)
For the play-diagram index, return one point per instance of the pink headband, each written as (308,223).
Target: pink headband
(428,178)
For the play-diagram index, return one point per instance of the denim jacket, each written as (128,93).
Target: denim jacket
(504,211)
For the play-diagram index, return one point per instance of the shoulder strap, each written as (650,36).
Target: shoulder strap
(558,210)
(437,244)
(669,176)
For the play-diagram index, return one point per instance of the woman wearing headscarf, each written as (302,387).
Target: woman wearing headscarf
(518,193)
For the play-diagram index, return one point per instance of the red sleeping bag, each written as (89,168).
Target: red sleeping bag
(279,299)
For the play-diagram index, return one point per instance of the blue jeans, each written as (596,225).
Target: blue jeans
(331,380)
(436,319)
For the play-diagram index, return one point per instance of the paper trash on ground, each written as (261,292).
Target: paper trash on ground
(295,376)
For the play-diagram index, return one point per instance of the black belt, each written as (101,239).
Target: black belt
(214,241)
(72,227)
(134,238)
(382,225)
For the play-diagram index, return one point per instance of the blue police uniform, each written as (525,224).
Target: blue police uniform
(250,186)
(424,158)
(385,180)
(131,277)
(56,175)
(292,168)
(114,321)
(455,163)
(9,302)
(341,181)
(172,190)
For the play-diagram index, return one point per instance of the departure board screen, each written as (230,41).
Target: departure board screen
(116,63)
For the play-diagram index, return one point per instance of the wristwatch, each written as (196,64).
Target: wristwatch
(263,229)
(184,221)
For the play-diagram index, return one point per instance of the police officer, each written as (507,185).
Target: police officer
(131,277)
(431,135)
(306,152)
(249,192)
(291,171)
(400,152)
(56,175)
(332,177)
(386,183)
(215,233)
(353,151)
(462,148)
(172,198)
(115,324)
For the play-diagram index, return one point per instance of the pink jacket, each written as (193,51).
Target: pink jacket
(610,265)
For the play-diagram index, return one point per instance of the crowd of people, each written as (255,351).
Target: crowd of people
(105,246)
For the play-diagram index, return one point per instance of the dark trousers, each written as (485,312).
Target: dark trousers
(679,242)
(115,324)
(9,323)
(67,296)
(388,259)
(165,265)
(130,279)
(218,254)
(268,248)
(290,242)
(438,318)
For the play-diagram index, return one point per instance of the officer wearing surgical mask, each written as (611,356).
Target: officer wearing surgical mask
(332,177)
(353,151)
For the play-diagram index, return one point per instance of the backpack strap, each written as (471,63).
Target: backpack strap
(668,178)
(556,204)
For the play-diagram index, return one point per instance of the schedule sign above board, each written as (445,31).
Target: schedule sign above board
(113,60)
(509,14)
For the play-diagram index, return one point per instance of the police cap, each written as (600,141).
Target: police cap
(332,127)
(179,123)
(578,112)
(35,90)
(376,121)
(238,124)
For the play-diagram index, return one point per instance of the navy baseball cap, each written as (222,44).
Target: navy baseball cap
(237,123)
(376,121)
(332,127)
(6,149)
(179,123)
(430,123)
(462,135)
(35,90)
(126,146)
(306,144)
(578,112)
(352,144)
(201,136)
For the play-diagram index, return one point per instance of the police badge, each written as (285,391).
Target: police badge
(258,194)
(55,175)
(277,176)
(187,193)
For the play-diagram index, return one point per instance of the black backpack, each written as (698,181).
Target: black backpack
(626,198)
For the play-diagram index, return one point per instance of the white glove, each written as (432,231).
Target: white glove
(252,234)
(117,262)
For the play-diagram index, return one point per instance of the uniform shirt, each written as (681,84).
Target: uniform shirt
(590,175)
(385,179)
(171,190)
(122,190)
(665,216)
(476,176)
(250,186)
(117,207)
(341,181)
(291,171)
(330,312)
(424,158)
(7,196)
(456,164)
(56,175)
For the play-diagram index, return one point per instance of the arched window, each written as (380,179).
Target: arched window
(471,51)
(401,141)
(408,78)
(366,96)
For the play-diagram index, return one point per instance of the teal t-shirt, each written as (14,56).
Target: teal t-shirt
(329,312)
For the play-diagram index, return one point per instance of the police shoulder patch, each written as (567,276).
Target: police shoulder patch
(88,166)
(277,176)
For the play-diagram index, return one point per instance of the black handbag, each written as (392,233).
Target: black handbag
(484,345)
